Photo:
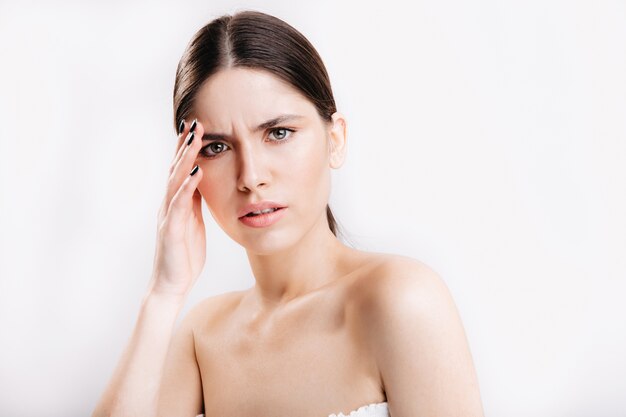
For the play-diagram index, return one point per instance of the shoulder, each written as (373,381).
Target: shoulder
(400,300)
(395,283)
(216,307)
(412,329)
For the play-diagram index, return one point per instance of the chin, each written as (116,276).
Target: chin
(267,243)
(264,241)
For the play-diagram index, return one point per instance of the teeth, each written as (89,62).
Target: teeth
(255,213)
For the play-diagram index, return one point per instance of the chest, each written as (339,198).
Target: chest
(309,359)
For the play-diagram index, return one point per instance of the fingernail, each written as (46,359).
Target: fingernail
(181,126)
(193,125)
(191,135)
(194,170)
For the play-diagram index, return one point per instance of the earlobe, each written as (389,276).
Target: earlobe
(337,136)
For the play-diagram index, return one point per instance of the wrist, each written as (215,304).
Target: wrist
(161,288)
(164,299)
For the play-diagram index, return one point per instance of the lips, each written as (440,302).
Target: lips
(261,205)
(258,213)
(263,220)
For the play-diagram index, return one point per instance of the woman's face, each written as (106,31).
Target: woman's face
(287,162)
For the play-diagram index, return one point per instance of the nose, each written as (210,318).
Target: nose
(252,170)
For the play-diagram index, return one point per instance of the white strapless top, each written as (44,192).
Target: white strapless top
(369,410)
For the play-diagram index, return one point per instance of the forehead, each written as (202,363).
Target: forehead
(243,95)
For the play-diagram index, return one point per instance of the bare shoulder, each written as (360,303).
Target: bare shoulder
(212,308)
(415,335)
(395,279)
(396,289)
(400,289)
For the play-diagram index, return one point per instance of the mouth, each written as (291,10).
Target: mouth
(263,212)
(263,218)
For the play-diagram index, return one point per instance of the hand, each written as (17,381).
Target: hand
(181,236)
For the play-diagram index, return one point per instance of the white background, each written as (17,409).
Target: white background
(486,139)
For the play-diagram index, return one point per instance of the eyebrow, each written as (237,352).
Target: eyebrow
(265,125)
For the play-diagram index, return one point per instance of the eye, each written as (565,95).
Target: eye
(216,148)
(212,150)
(283,133)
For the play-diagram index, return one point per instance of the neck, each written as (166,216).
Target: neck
(312,262)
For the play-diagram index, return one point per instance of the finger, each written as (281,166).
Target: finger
(182,139)
(196,130)
(183,136)
(182,202)
(182,127)
(179,154)
(185,164)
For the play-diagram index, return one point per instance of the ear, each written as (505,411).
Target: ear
(337,140)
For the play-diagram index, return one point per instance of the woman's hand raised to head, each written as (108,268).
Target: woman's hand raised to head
(181,236)
(178,261)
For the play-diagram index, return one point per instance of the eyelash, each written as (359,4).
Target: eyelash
(286,139)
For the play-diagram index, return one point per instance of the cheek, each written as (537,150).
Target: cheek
(212,186)
(307,166)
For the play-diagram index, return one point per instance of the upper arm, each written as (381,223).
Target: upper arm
(419,344)
(180,394)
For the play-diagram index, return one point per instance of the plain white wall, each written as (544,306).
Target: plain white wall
(487,139)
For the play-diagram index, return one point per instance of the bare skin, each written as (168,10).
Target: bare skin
(346,344)
(307,357)
(326,328)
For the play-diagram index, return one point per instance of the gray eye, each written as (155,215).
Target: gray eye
(281,133)
(213,149)
(218,149)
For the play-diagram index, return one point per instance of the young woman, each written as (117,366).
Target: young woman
(326,329)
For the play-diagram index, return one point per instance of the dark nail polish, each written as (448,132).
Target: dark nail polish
(193,125)
(181,126)
(191,135)
(194,170)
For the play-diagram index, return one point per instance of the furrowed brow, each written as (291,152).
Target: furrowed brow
(263,126)
(278,120)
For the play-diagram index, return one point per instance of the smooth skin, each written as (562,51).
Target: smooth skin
(326,328)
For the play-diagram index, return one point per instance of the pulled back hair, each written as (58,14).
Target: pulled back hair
(255,40)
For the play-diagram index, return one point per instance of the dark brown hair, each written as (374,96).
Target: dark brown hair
(254,40)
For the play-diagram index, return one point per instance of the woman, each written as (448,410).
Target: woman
(326,329)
